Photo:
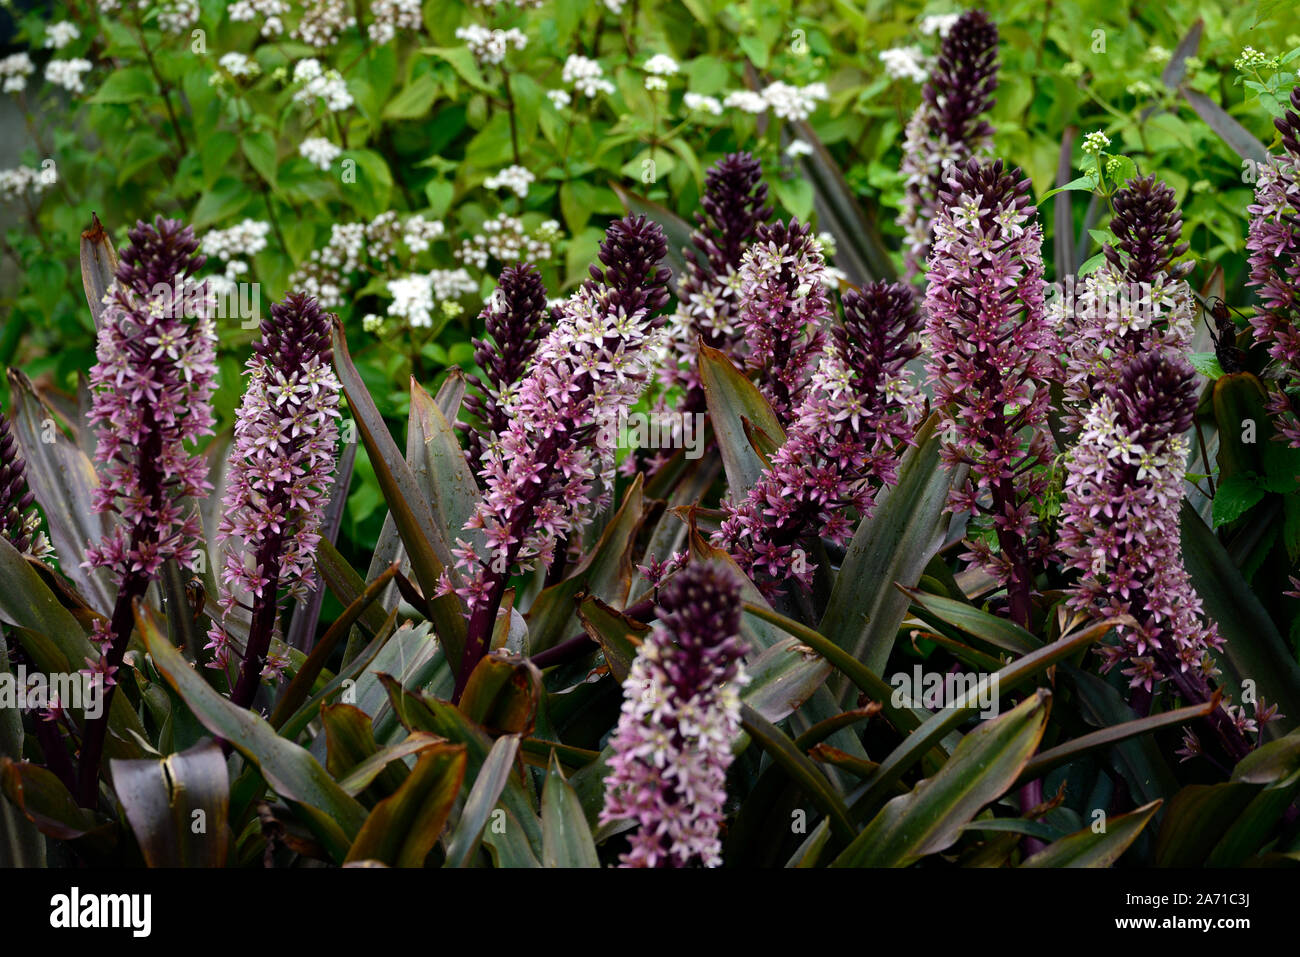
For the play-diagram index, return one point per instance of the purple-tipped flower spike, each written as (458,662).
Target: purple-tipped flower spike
(555,459)
(281,470)
(989,348)
(783,309)
(842,447)
(20,524)
(1274,244)
(151,394)
(1119,527)
(1137,302)
(734,206)
(152,389)
(681,713)
(947,128)
(517,319)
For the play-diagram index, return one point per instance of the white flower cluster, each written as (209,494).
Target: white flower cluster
(746,100)
(515,178)
(174,16)
(236,244)
(418,233)
(940,23)
(660,67)
(414,296)
(319,151)
(794,102)
(67,73)
(323,21)
(798,148)
(904,63)
(1095,142)
(412,300)
(242,11)
(452,283)
(786,101)
(25,180)
(559,98)
(702,103)
(59,35)
(490,46)
(586,76)
(389,16)
(239,65)
(15,69)
(505,239)
(327,85)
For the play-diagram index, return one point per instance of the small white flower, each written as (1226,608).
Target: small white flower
(798,148)
(940,23)
(792,102)
(515,178)
(904,63)
(746,100)
(319,151)
(559,98)
(586,76)
(15,69)
(67,73)
(237,64)
(1095,142)
(59,35)
(656,83)
(702,103)
(661,65)
(490,46)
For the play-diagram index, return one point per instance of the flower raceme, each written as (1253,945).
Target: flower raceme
(681,713)
(842,445)
(989,348)
(734,206)
(554,462)
(281,471)
(1136,302)
(1274,245)
(151,390)
(151,395)
(517,319)
(946,128)
(1119,528)
(783,309)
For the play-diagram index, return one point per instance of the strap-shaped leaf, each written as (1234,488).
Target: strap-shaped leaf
(566,838)
(930,817)
(1089,848)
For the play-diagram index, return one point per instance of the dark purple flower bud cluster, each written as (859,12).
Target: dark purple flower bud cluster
(20,525)
(990,363)
(1137,302)
(784,307)
(842,446)
(681,714)
(516,319)
(734,206)
(1274,244)
(947,128)
(1148,224)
